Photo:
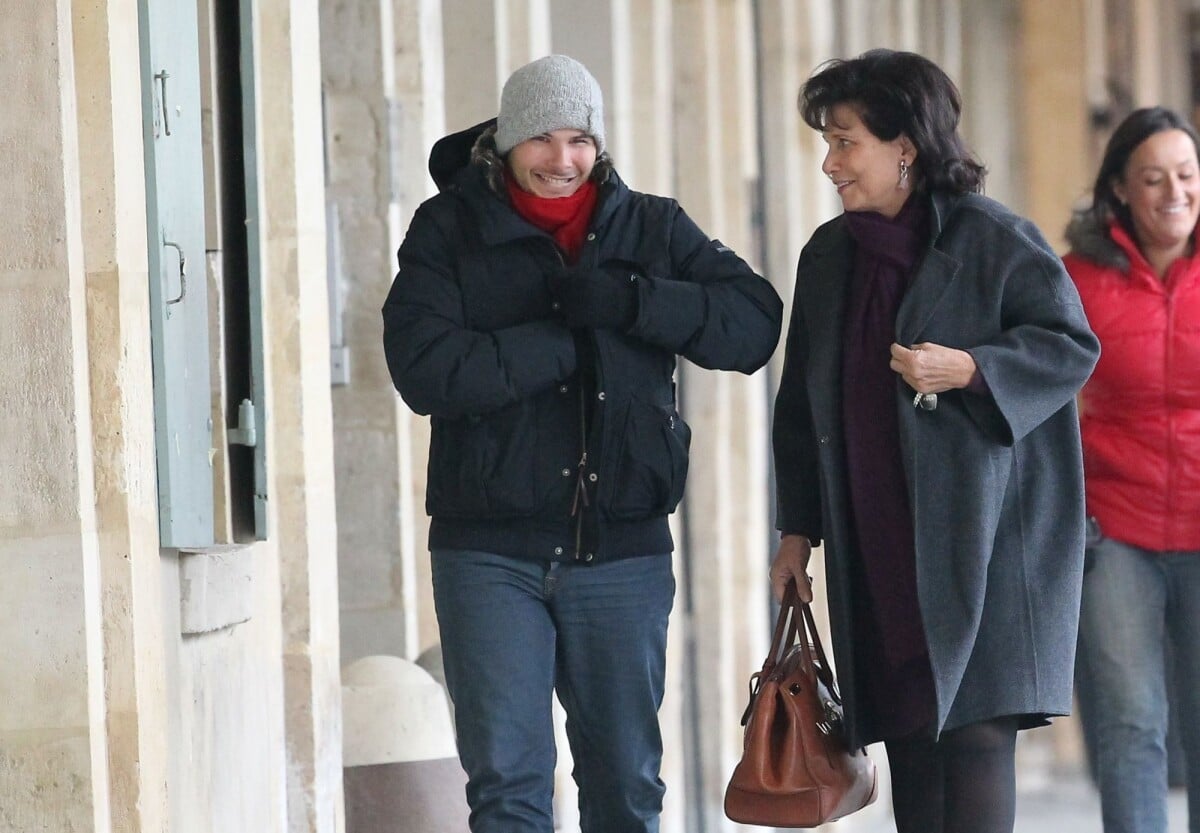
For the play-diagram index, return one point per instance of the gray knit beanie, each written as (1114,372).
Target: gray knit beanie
(548,94)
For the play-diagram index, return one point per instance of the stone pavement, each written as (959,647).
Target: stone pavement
(1071,805)
(1062,804)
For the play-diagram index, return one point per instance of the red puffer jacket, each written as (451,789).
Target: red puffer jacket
(1141,408)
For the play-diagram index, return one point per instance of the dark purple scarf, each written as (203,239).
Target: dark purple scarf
(887,253)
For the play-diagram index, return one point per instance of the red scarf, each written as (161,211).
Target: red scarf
(563,218)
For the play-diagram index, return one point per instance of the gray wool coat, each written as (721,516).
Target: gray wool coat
(995,480)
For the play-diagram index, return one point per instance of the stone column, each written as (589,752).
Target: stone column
(384,111)
(711,159)
(1175,31)
(420,120)
(1051,90)
(785,63)
(705,404)
(991,106)
(471,62)
(861,24)
(794,38)
(1160,44)
(522,33)
(53,744)
(1147,69)
(742,228)
(360,116)
(299,428)
(643,142)
(939,34)
(483,43)
(112,182)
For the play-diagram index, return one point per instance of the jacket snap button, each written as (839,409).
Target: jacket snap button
(592,236)
(592,477)
(558,550)
(588,557)
(600,396)
(556,306)
(824,438)
(566,472)
(562,388)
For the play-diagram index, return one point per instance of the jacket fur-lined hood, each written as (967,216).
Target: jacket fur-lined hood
(476,146)
(1089,238)
(485,155)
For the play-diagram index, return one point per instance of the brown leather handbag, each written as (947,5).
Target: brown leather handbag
(796,769)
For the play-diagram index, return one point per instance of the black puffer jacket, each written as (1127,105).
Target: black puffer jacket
(527,459)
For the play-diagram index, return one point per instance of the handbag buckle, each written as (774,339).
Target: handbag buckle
(833,718)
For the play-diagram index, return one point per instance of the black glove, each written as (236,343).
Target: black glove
(596,298)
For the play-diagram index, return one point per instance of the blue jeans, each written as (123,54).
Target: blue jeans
(515,631)
(1133,601)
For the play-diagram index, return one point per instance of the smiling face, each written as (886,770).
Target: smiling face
(1161,186)
(553,164)
(865,169)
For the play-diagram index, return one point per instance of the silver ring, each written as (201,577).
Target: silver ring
(927,401)
(917,399)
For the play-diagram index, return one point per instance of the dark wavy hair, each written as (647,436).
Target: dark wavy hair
(1136,128)
(899,93)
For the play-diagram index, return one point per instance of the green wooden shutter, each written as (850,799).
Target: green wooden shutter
(178,283)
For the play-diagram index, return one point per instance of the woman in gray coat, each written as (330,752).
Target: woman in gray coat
(925,432)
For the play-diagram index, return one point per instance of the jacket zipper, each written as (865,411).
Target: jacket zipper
(579,501)
(1169,451)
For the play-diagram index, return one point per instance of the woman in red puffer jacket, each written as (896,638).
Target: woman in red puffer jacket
(1136,264)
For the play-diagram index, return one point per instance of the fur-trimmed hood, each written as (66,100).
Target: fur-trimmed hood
(1089,238)
(476,146)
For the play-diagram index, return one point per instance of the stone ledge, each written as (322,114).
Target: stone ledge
(215,588)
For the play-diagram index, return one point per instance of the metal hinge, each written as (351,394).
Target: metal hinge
(246,432)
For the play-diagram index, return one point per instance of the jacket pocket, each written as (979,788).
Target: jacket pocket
(483,467)
(650,463)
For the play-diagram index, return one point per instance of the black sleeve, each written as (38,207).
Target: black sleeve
(1045,350)
(437,363)
(797,477)
(714,309)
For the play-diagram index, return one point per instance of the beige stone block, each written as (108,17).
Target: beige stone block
(215,588)
(40,777)
(42,633)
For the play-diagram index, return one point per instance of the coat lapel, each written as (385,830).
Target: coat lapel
(934,277)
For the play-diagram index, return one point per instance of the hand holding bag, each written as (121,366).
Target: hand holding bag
(796,769)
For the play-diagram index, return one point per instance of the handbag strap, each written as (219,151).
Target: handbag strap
(785,629)
(823,668)
(785,634)
(796,617)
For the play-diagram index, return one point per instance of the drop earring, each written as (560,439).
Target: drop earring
(903,183)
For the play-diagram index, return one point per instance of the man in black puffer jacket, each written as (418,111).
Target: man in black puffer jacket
(536,316)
